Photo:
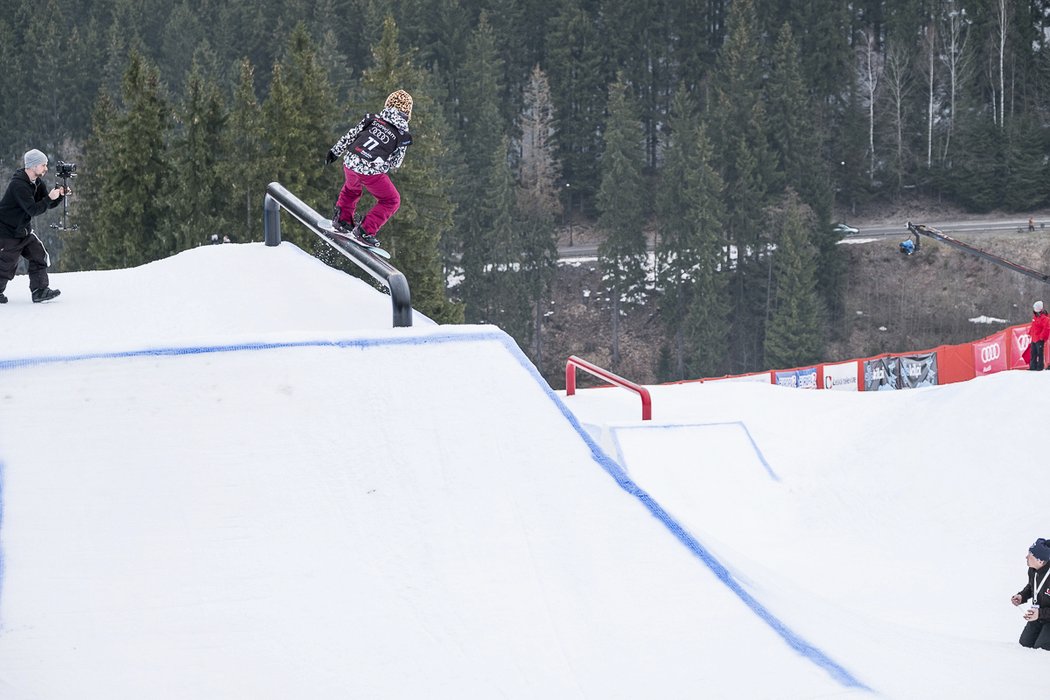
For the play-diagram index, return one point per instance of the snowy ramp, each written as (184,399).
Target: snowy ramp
(403,514)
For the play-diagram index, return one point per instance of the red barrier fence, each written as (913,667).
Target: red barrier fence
(570,382)
(945,364)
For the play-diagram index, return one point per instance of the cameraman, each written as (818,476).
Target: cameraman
(26,196)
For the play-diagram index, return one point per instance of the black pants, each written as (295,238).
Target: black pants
(1035,362)
(1036,635)
(30,248)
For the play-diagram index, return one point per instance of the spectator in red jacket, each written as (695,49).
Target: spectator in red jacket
(1038,332)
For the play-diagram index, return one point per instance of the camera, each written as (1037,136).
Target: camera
(65,170)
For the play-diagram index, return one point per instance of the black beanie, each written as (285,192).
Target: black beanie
(1040,550)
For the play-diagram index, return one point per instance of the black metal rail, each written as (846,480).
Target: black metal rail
(382,271)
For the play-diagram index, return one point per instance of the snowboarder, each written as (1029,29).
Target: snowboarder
(374,147)
(1038,333)
(27,196)
(1036,634)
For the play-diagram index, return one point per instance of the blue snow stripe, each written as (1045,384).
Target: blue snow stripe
(794,640)
(665,426)
(242,347)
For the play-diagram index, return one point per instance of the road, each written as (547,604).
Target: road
(952,228)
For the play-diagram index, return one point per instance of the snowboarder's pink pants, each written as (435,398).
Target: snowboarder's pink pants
(379,186)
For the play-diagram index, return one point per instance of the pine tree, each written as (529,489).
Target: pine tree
(621,201)
(200,157)
(794,333)
(50,105)
(640,41)
(1025,186)
(689,200)
(739,120)
(506,303)
(698,33)
(8,89)
(298,127)
(79,251)
(538,200)
(481,134)
(246,140)
(822,29)
(791,118)
(739,125)
(128,219)
(579,79)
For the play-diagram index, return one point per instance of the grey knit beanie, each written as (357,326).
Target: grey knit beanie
(34,157)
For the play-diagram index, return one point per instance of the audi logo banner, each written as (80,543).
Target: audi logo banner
(1019,342)
(989,356)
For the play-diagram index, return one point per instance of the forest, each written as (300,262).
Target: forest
(722,133)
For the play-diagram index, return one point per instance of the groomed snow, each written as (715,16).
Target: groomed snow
(224,475)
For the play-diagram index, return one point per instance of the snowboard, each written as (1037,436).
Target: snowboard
(375,250)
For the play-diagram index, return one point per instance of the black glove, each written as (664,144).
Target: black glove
(329,158)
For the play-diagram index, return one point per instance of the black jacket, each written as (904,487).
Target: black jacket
(21,202)
(1042,596)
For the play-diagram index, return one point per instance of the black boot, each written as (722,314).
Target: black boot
(365,237)
(3,299)
(339,224)
(45,294)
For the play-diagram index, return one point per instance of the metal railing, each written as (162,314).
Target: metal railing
(570,382)
(380,270)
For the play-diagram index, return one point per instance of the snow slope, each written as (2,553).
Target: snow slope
(223,475)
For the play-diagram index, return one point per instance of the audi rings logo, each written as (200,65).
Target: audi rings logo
(990,353)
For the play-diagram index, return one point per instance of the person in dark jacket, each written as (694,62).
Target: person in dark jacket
(1038,333)
(26,196)
(1036,634)
(373,148)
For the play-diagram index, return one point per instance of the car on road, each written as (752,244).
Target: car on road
(845,229)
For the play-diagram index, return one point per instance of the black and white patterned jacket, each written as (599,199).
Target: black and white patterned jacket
(378,166)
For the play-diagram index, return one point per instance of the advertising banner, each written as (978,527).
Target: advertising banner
(841,377)
(989,356)
(881,374)
(1019,342)
(918,370)
(797,378)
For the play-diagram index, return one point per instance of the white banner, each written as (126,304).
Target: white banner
(841,377)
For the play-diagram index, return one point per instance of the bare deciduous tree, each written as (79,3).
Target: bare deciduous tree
(957,62)
(929,68)
(1002,20)
(870,67)
(898,73)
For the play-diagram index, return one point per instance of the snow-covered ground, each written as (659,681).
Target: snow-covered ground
(224,475)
